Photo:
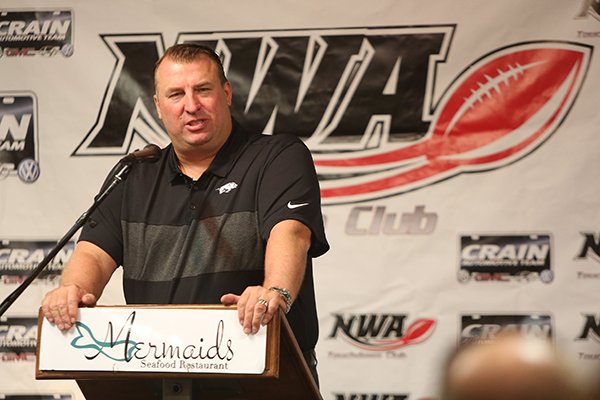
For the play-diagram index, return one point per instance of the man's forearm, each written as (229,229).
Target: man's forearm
(82,282)
(285,257)
(89,268)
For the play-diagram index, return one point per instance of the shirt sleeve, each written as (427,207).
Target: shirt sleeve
(104,225)
(289,189)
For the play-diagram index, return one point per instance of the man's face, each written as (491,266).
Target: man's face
(193,105)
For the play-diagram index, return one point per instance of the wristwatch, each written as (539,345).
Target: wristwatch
(285,295)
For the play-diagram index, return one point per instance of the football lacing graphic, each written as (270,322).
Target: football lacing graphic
(497,111)
(485,89)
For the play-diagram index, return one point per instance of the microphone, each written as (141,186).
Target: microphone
(150,153)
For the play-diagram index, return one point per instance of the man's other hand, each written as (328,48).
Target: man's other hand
(256,307)
(60,306)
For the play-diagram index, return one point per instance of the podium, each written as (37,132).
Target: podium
(116,361)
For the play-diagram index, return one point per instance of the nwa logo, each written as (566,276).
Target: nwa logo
(591,328)
(39,32)
(18,339)
(589,8)
(362,100)
(18,259)
(486,328)
(381,332)
(590,248)
(18,136)
(589,332)
(505,258)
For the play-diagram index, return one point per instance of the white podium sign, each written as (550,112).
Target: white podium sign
(130,339)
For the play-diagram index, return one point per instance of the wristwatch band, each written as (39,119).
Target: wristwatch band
(285,295)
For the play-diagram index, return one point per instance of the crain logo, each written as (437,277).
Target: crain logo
(505,257)
(486,328)
(381,332)
(591,8)
(18,136)
(39,32)
(321,78)
(18,339)
(19,258)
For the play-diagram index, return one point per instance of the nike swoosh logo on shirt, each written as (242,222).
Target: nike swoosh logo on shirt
(292,206)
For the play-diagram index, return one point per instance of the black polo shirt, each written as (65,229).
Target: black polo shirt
(182,242)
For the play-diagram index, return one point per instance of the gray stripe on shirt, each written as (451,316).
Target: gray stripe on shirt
(230,242)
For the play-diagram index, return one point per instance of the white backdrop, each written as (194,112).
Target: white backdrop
(398,284)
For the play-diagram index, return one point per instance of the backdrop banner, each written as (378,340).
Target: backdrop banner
(457,146)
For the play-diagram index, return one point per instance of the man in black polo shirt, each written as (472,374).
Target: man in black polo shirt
(223,216)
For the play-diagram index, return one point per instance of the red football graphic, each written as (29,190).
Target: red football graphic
(501,96)
(498,109)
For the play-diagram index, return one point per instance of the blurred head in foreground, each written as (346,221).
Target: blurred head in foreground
(510,368)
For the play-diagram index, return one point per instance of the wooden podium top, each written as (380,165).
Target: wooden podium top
(282,373)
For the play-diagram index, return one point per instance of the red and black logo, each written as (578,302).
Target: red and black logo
(381,332)
(362,100)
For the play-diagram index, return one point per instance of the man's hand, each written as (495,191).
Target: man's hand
(90,267)
(256,306)
(60,306)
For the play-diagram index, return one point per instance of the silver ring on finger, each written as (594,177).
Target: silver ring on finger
(263,302)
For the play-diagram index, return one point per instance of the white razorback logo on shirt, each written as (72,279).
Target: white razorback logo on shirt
(226,188)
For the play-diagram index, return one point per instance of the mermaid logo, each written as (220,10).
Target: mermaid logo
(114,347)
(118,345)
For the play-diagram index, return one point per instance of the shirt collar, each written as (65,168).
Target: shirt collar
(230,152)
(223,161)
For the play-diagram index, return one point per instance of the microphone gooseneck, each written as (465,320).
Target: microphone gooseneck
(150,153)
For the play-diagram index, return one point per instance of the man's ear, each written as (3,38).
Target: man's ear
(157,106)
(228,92)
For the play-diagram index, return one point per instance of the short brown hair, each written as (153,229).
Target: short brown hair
(188,52)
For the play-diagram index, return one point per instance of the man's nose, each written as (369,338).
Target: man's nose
(192,103)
